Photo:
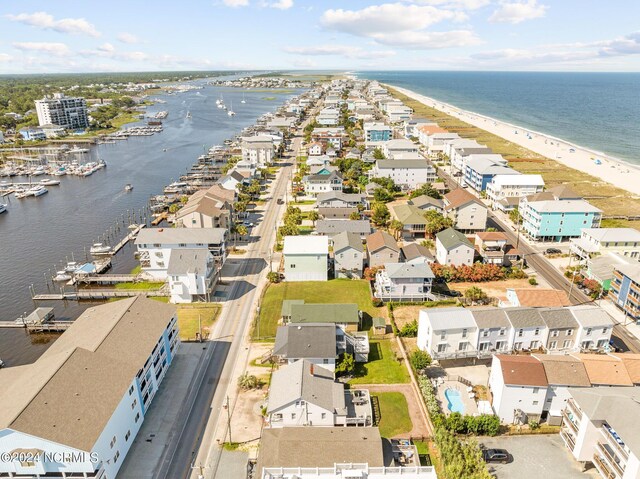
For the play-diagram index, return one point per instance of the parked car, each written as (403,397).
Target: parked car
(247,223)
(553,251)
(496,455)
(280,201)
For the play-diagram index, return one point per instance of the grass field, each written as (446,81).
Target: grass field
(611,199)
(140,286)
(383,366)
(334,291)
(189,316)
(394,414)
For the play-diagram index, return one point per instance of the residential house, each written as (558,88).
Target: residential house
(491,245)
(453,248)
(316,343)
(53,131)
(306,258)
(408,174)
(528,329)
(494,331)
(398,112)
(398,146)
(518,388)
(535,298)
(322,183)
(605,369)
(382,248)
(467,212)
(415,253)
(436,142)
(460,155)
(412,219)
(426,203)
(322,170)
(502,187)
(192,275)
(412,127)
(315,149)
(333,227)
(231,180)
(562,329)
(479,170)
(594,327)
(594,241)
(337,213)
(557,220)
(600,427)
(601,268)
(348,255)
(88,394)
(322,160)
(338,199)
(156,246)
(329,136)
(625,289)
(205,210)
(376,134)
(258,150)
(447,333)
(32,134)
(449,145)
(425,131)
(404,282)
(328,117)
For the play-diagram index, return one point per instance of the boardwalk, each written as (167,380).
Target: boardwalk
(100,294)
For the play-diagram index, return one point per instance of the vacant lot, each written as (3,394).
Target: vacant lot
(492,288)
(334,291)
(193,316)
(385,365)
(403,315)
(394,417)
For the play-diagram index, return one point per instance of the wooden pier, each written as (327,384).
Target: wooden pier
(108,278)
(159,219)
(90,294)
(127,238)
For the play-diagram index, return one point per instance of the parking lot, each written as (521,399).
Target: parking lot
(540,455)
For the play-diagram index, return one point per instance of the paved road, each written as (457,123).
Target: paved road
(549,272)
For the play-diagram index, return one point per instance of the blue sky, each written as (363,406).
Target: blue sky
(136,35)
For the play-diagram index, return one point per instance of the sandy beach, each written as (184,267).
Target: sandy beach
(612,170)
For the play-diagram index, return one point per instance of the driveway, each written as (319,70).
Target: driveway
(542,455)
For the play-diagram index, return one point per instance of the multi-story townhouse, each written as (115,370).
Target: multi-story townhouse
(594,241)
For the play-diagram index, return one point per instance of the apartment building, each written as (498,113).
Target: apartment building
(67,112)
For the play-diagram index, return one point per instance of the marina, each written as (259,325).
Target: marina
(78,212)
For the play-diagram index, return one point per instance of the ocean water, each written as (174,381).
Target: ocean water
(600,111)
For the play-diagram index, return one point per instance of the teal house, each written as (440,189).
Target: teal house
(558,220)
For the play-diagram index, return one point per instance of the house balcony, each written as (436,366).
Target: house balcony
(603,468)
(607,455)
(569,420)
(615,442)
(568,439)
(574,409)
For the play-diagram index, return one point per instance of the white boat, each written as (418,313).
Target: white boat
(38,171)
(71,267)
(62,276)
(243,100)
(1,363)
(3,207)
(231,112)
(76,150)
(188,114)
(49,182)
(59,172)
(23,194)
(128,187)
(38,190)
(99,248)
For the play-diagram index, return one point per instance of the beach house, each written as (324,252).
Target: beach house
(408,174)
(306,258)
(447,333)
(398,146)
(376,134)
(595,241)
(412,219)
(322,182)
(426,203)
(467,211)
(313,342)
(348,255)
(625,289)
(479,170)
(404,282)
(258,150)
(192,275)
(382,248)
(453,248)
(502,187)
(338,199)
(557,220)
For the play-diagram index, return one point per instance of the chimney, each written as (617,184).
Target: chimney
(311,369)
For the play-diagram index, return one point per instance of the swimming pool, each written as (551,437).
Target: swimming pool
(454,400)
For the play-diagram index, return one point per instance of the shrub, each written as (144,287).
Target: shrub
(376,302)
(409,330)
(346,364)
(533,281)
(248,381)
(534,425)
(273,277)
(420,360)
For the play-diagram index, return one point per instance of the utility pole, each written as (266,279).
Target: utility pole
(228,419)
(200,326)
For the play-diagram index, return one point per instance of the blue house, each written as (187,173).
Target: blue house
(480,169)
(558,220)
(375,134)
(625,289)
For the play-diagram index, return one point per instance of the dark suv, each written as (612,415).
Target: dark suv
(496,455)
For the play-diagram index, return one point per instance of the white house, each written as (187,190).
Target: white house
(513,186)
(528,329)
(322,183)
(157,245)
(467,212)
(404,282)
(518,388)
(453,248)
(436,142)
(408,174)
(315,149)
(376,134)
(78,408)
(398,146)
(258,150)
(192,275)
(494,331)
(328,117)
(594,241)
(306,258)
(595,327)
(398,112)
(447,332)
(315,342)
(305,394)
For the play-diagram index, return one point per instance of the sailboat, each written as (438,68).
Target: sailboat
(188,115)
(231,112)
(243,100)
(220,103)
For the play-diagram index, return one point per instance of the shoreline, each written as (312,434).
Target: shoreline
(613,170)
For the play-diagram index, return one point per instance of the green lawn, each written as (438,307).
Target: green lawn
(383,367)
(190,315)
(334,291)
(394,417)
(140,286)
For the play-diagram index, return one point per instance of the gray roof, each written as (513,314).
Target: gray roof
(558,318)
(524,317)
(449,318)
(332,227)
(70,393)
(451,238)
(384,164)
(347,197)
(490,318)
(188,260)
(424,200)
(300,341)
(336,212)
(305,381)
(181,236)
(413,251)
(408,270)
(347,239)
(618,406)
(591,316)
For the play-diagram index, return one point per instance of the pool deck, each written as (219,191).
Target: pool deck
(470,406)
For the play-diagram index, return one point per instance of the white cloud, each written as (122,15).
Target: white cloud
(518,12)
(627,45)
(281,4)
(340,50)
(464,4)
(51,48)
(5,57)
(402,25)
(45,21)
(129,38)
(236,3)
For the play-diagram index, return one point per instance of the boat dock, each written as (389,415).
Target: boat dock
(108,278)
(127,238)
(92,294)
(40,321)
(160,218)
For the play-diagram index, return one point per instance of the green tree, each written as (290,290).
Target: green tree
(436,222)
(380,214)
(174,208)
(346,364)
(475,294)
(381,195)
(314,216)
(248,381)
(515,217)
(241,230)
(377,154)
(425,189)
(354,215)
(420,359)
(273,277)
(396,226)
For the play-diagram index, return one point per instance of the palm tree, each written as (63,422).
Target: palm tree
(242,230)
(396,226)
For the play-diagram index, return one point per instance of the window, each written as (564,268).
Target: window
(442,348)
(323,415)
(503,331)
(517,345)
(462,346)
(535,403)
(588,331)
(293,415)
(555,333)
(137,417)
(536,332)
(534,344)
(113,442)
(292,266)
(553,344)
(325,361)
(115,458)
(464,333)
(566,344)
(131,390)
(604,330)
(484,346)
(485,333)
(134,403)
(127,435)
(520,333)
(569,332)
(443,335)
